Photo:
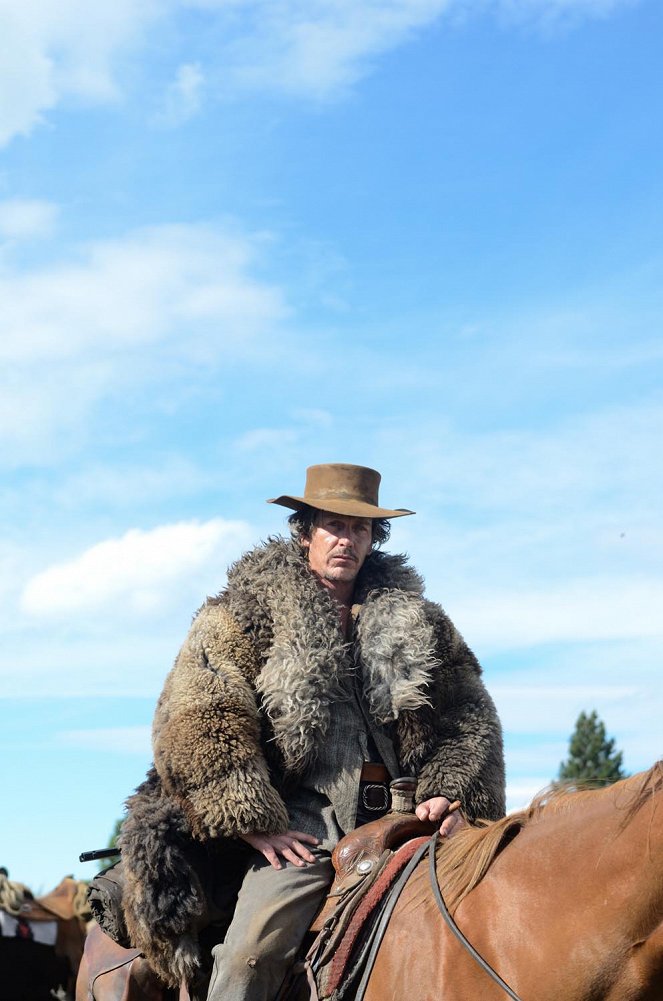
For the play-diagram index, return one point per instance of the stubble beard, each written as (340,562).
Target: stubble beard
(343,574)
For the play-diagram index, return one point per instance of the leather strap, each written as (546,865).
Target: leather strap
(380,928)
(454,927)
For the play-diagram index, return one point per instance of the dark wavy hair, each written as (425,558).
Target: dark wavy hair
(303,520)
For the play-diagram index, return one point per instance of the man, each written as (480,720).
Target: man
(315,677)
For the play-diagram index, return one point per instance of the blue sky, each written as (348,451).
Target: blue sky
(238,237)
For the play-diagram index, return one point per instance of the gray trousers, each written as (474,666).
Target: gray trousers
(274,910)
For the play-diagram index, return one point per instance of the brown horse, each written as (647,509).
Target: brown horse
(564,900)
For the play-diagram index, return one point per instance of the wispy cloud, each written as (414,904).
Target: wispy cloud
(321,48)
(136,291)
(55,52)
(558,12)
(25,218)
(80,330)
(183,97)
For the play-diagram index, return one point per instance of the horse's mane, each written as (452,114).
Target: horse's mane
(466,857)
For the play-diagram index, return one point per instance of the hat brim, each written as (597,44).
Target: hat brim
(350,508)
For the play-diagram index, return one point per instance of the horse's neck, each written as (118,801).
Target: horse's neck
(611,855)
(568,909)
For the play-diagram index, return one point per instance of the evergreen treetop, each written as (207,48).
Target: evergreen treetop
(592,758)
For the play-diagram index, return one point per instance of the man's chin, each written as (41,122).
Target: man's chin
(344,574)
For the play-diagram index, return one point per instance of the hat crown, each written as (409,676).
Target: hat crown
(343,489)
(342,481)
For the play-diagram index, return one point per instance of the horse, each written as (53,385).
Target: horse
(41,939)
(563,900)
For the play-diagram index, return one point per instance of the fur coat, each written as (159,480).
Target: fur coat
(248,702)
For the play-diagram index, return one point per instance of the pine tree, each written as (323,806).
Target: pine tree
(592,758)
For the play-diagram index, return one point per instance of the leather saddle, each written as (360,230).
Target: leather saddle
(110,972)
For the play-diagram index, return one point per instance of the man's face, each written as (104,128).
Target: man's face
(338,546)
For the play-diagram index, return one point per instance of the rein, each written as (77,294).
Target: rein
(439,900)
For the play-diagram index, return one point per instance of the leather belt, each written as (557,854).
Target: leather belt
(372,772)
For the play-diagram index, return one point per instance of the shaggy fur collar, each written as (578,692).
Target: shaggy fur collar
(306,661)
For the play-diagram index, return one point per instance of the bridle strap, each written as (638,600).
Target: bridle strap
(377,934)
(454,927)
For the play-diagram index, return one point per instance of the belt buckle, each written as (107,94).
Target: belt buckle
(375,797)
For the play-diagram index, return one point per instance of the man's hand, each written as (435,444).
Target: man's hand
(438,808)
(290,846)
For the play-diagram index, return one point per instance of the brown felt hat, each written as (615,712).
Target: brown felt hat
(342,489)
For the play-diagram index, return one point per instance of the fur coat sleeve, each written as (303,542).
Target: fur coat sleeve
(206,734)
(454,744)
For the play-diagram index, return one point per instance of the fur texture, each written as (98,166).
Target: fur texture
(248,703)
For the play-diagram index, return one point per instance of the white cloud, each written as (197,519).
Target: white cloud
(23,218)
(75,333)
(560,11)
(69,50)
(62,49)
(136,291)
(183,97)
(319,48)
(141,572)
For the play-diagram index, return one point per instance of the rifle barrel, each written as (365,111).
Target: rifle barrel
(98,853)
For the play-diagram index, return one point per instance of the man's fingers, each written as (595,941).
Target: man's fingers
(433,809)
(303,851)
(300,836)
(452,823)
(288,846)
(290,849)
(291,855)
(447,826)
(271,856)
